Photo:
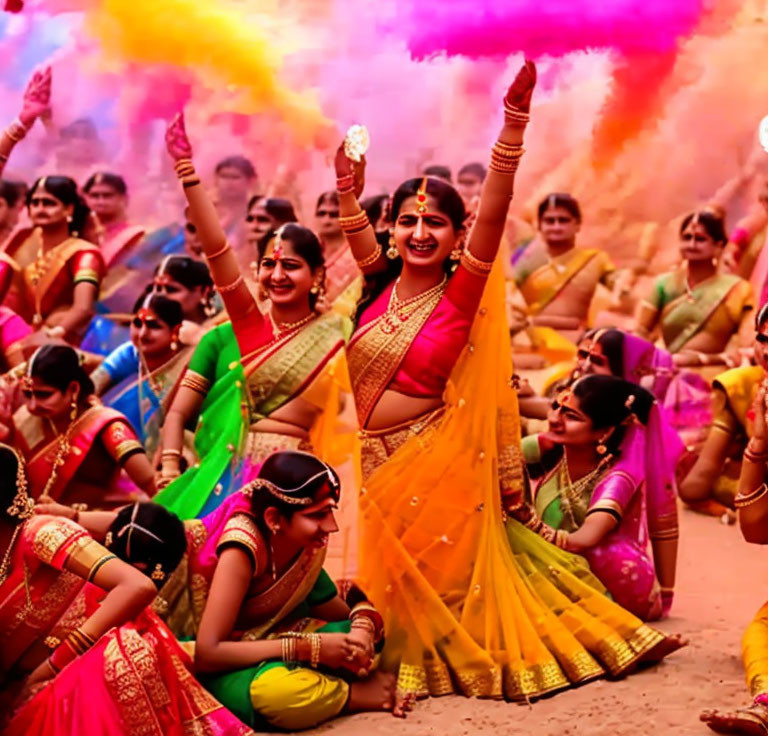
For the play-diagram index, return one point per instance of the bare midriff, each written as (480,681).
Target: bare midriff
(395,408)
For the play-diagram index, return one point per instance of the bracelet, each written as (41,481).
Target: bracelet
(218,253)
(561,539)
(197,383)
(508,150)
(475,265)
(77,643)
(315,644)
(372,258)
(514,115)
(741,501)
(754,458)
(184,167)
(170,451)
(366,610)
(16,131)
(353,223)
(345,184)
(230,287)
(289,649)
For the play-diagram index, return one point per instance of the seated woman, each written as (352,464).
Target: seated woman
(138,378)
(293,356)
(79,651)
(76,449)
(711,484)
(752,505)
(59,274)
(282,648)
(701,313)
(556,279)
(595,437)
(181,278)
(107,196)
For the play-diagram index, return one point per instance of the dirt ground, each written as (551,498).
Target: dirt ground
(722,581)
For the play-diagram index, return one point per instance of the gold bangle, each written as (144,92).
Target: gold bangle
(561,538)
(184,167)
(220,252)
(169,452)
(315,645)
(747,500)
(372,258)
(475,265)
(16,131)
(230,287)
(357,221)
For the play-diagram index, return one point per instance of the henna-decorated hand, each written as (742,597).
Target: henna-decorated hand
(520,92)
(37,97)
(345,166)
(176,140)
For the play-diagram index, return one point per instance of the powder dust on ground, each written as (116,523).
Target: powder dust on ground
(722,581)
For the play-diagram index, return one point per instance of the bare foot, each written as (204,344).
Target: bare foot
(751,721)
(663,649)
(378,692)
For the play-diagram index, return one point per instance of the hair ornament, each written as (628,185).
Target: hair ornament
(630,401)
(130,526)
(291,495)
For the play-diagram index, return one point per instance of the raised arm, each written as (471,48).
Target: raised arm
(36,102)
(221,260)
(485,237)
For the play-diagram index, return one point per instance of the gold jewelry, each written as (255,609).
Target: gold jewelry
(354,223)
(61,453)
(22,507)
(5,565)
(231,287)
(456,253)
(315,645)
(392,251)
(158,573)
(561,538)
(221,251)
(400,310)
(741,501)
(574,496)
(16,131)
(475,265)
(280,328)
(421,197)
(372,258)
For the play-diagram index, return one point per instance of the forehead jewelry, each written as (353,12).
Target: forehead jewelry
(421,197)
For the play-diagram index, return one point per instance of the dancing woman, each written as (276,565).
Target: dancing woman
(79,651)
(597,436)
(430,364)
(293,357)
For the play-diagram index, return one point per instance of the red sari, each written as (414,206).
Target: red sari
(134,681)
(101,441)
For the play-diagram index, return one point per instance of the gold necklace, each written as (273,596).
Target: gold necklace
(5,565)
(573,494)
(399,310)
(61,453)
(280,328)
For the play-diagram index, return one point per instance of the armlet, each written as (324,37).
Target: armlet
(54,539)
(86,557)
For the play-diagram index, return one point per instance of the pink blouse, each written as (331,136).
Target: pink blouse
(426,367)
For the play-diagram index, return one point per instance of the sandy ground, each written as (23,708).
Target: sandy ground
(722,581)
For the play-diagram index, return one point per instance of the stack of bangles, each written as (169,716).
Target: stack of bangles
(748,499)
(515,117)
(290,651)
(77,643)
(365,616)
(505,158)
(354,223)
(345,184)
(199,384)
(185,170)
(755,457)
(16,131)
(475,265)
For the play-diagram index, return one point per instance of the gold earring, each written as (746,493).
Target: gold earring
(456,253)
(392,252)
(73,409)
(601,448)
(158,573)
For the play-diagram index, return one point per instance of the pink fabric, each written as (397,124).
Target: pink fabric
(12,327)
(426,367)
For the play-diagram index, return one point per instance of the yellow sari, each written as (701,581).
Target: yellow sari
(469,605)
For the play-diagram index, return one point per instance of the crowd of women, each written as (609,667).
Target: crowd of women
(176,413)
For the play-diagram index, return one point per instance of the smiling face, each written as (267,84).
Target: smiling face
(46,210)
(697,245)
(47,401)
(284,275)
(424,239)
(311,526)
(568,424)
(106,202)
(150,334)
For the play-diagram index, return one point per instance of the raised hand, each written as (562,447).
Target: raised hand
(519,94)
(346,167)
(176,140)
(37,97)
